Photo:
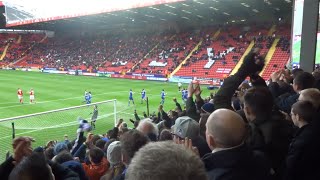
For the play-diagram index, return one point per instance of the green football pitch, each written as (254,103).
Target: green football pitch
(296,52)
(55,91)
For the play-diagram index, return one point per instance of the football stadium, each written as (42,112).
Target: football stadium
(159,89)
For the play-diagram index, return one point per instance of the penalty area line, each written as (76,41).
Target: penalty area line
(41,102)
(57,126)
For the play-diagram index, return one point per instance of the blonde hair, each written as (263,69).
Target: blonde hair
(312,95)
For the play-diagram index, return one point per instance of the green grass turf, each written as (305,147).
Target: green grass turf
(54,91)
(296,52)
(318,52)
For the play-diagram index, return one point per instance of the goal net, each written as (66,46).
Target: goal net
(55,124)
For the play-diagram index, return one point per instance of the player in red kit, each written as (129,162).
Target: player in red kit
(20,95)
(31,92)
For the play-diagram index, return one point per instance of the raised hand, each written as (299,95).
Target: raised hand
(119,123)
(188,144)
(275,76)
(252,64)
(197,90)
(190,90)
(89,138)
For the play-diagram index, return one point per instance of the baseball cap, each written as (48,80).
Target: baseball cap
(208,107)
(186,127)
(114,153)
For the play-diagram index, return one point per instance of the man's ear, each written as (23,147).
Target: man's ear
(247,110)
(210,141)
(295,87)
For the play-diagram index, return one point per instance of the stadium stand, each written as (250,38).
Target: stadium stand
(281,54)
(168,54)
(157,54)
(223,63)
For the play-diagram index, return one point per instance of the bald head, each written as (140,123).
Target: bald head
(312,95)
(226,128)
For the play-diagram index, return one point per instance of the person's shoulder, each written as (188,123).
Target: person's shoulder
(119,177)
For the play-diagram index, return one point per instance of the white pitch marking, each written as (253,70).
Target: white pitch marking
(55,100)
(60,125)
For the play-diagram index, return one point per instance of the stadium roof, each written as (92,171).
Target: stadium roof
(195,12)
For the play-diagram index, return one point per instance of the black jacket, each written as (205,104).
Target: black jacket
(303,156)
(271,136)
(201,145)
(235,164)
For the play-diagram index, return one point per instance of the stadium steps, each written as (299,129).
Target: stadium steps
(19,60)
(272,30)
(270,54)
(19,39)
(43,39)
(4,51)
(235,69)
(24,55)
(184,61)
(145,56)
(216,34)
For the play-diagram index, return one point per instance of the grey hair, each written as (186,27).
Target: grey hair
(148,122)
(165,160)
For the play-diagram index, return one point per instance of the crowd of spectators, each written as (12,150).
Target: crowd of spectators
(171,50)
(263,42)
(130,53)
(284,44)
(83,51)
(18,48)
(94,52)
(230,41)
(245,131)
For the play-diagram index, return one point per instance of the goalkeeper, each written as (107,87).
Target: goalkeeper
(94,116)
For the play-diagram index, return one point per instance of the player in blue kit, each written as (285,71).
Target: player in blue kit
(163,96)
(88,98)
(85,94)
(130,97)
(143,96)
(183,95)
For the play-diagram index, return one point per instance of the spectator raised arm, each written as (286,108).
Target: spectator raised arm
(251,65)
(191,106)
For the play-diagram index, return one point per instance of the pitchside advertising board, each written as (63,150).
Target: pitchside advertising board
(136,76)
(188,79)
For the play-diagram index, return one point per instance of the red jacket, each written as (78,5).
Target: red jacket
(96,171)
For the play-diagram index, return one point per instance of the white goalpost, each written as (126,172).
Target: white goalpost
(55,124)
